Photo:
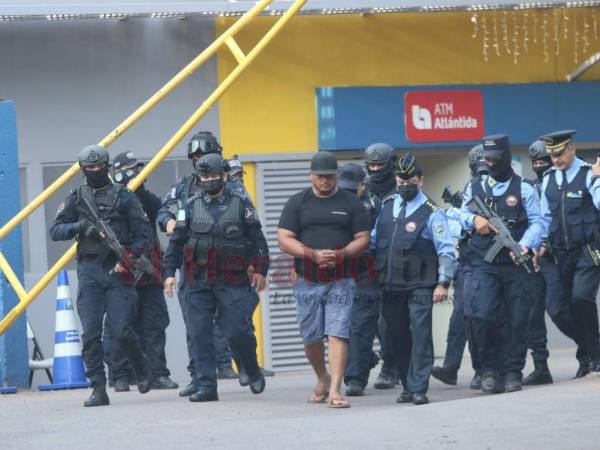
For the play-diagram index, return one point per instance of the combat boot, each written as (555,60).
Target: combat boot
(540,375)
(476,382)
(446,376)
(99,397)
(513,383)
(190,389)
(122,385)
(584,367)
(388,378)
(163,382)
(355,388)
(226,373)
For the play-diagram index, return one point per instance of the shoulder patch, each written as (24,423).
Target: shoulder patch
(439,229)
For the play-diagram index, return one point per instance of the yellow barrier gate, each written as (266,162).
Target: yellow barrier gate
(26,298)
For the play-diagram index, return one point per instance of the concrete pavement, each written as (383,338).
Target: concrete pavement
(563,415)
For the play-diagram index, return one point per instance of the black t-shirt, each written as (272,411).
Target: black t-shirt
(324,223)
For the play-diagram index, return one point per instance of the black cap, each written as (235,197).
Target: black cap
(495,145)
(556,142)
(350,176)
(235,166)
(125,159)
(323,163)
(408,167)
(537,150)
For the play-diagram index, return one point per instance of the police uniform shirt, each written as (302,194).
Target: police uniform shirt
(571,172)
(532,238)
(216,207)
(437,230)
(454,226)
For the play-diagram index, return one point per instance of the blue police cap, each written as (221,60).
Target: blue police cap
(350,176)
(495,145)
(556,142)
(408,167)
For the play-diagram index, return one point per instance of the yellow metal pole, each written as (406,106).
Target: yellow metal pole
(12,277)
(35,291)
(162,154)
(185,73)
(212,99)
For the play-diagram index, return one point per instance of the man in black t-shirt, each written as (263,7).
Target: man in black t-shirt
(326,230)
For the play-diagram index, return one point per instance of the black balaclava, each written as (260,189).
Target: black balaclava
(502,170)
(381,181)
(211,187)
(97,179)
(540,170)
(497,146)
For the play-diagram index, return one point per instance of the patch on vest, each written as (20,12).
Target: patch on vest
(511,201)
(61,208)
(576,194)
(410,227)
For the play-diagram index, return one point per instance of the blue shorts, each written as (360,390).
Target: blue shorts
(324,309)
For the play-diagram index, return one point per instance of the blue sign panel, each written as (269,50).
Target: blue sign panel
(354,117)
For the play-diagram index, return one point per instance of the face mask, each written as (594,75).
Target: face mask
(539,171)
(98,178)
(213,186)
(125,176)
(408,191)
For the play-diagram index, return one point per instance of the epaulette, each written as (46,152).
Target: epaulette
(431,205)
(585,164)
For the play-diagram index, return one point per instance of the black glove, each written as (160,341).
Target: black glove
(86,228)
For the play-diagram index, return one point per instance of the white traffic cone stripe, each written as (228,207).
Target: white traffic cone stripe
(65,320)
(63,292)
(68,349)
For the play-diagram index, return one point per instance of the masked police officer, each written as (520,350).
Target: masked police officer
(460,326)
(210,244)
(152,314)
(367,302)
(537,336)
(570,204)
(201,143)
(105,286)
(416,261)
(379,161)
(501,290)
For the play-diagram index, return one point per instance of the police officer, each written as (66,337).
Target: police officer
(152,314)
(105,286)
(501,290)
(415,259)
(236,171)
(460,326)
(380,161)
(367,302)
(201,143)
(210,241)
(537,337)
(570,204)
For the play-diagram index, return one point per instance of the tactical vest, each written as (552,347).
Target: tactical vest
(106,203)
(509,206)
(574,216)
(219,245)
(404,259)
(462,247)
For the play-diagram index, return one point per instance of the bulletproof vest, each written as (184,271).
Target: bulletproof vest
(462,247)
(153,252)
(404,259)
(219,242)
(574,216)
(106,203)
(508,206)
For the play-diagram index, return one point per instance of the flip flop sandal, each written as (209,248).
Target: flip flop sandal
(337,403)
(317,399)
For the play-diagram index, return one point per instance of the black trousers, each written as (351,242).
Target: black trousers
(234,304)
(537,339)
(103,293)
(571,286)
(502,300)
(363,327)
(407,315)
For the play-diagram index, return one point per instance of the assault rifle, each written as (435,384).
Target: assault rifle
(455,199)
(502,236)
(142,265)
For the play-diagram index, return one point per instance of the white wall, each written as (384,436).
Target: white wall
(73,82)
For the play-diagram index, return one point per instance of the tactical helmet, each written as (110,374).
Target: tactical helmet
(379,153)
(203,143)
(211,164)
(92,154)
(476,153)
(537,150)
